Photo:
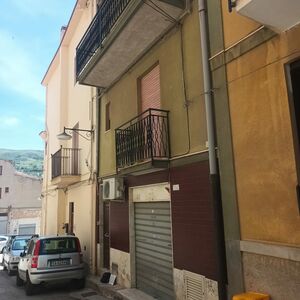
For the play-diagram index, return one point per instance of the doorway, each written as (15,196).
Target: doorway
(106,237)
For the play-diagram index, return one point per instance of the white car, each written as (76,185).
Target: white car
(12,253)
(51,259)
(3,240)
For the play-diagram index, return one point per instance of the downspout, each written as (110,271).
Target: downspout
(99,201)
(213,164)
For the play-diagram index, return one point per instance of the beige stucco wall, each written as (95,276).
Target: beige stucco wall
(124,96)
(262,141)
(24,190)
(68,103)
(84,220)
(121,261)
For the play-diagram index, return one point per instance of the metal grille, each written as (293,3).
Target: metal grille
(142,138)
(107,15)
(194,286)
(66,161)
(154,264)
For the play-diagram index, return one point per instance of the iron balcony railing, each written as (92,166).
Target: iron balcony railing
(145,137)
(107,15)
(66,161)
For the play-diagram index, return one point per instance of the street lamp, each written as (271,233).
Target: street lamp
(66,134)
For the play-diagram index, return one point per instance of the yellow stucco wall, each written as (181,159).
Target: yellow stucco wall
(124,98)
(262,141)
(236,26)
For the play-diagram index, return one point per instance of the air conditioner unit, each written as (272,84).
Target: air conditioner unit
(113,189)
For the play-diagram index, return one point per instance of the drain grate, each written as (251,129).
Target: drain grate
(88,294)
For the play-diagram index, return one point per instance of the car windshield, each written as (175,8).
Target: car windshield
(58,245)
(19,244)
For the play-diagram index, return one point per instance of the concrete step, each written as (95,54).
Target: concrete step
(116,292)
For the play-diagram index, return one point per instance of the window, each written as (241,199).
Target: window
(19,244)
(6,189)
(0,193)
(150,89)
(107,116)
(1,169)
(30,247)
(58,245)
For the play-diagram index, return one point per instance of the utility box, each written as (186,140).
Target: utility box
(251,296)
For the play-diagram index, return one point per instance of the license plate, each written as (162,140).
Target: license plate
(59,262)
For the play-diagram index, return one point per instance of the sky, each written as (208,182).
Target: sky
(29,38)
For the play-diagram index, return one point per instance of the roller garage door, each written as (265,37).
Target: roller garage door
(154,262)
(27,229)
(3,224)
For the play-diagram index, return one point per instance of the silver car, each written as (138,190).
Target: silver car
(12,251)
(51,259)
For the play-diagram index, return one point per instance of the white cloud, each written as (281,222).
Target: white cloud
(9,121)
(18,70)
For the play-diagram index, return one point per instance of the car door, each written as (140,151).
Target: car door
(25,260)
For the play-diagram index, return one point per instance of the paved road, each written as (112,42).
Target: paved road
(9,291)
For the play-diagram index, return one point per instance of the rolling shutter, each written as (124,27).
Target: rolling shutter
(150,90)
(27,229)
(3,224)
(154,263)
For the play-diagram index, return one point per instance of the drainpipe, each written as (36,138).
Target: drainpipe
(213,164)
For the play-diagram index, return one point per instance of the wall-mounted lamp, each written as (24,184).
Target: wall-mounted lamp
(66,134)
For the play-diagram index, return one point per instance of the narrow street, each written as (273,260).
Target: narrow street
(9,291)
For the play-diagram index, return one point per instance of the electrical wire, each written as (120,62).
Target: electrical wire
(160,10)
(186,103)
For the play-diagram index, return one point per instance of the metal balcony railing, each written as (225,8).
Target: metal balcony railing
(107,15)
(145,137)
(66,161)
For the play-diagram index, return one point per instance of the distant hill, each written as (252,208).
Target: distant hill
(26,161)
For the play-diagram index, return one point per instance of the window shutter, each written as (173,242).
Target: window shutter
(150,90)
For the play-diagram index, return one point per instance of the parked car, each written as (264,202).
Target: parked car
(11,253)
(51,259)
(3,240)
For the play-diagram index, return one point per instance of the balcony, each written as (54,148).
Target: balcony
(277,14)
(121,31)
(142,144)
(65,167)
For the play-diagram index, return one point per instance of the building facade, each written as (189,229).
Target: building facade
(158,227)
(69,185)
(20,201)
(255,70)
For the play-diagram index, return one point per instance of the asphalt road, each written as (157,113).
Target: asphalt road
(9,290)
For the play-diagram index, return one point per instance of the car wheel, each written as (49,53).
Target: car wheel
(29,287)
(19,281)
